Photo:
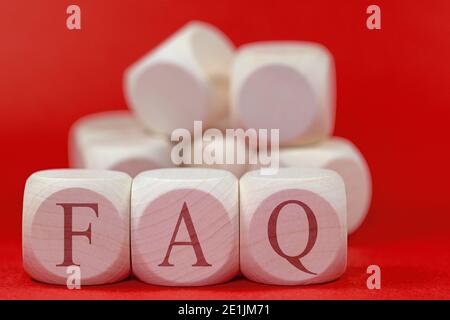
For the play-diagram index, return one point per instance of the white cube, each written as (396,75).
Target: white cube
(288,86)
(77,218)
(185,227)
(342,156)
(182,80)
(116,141)
(293,226)
(229,154)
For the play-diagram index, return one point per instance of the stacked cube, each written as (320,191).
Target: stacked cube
(185,221)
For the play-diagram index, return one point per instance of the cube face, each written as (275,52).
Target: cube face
(70,222)
(296,112)
(292,234)
(185,232)
(288,86)
(150,92)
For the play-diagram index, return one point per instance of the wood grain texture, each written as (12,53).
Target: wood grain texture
(219,149)
(58,204)
(117,141)
(98,127)
(185,227)
(293,226)
(342,156)
(182,80)
(285,85)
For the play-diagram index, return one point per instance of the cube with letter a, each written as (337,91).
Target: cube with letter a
(77,220)
(293,226)
(185,226)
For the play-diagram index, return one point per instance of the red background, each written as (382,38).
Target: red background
(393,102)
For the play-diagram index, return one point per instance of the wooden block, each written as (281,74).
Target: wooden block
(99,127)
(227,122)
(216,151)
(131,155)
(293,226)
(288,86)
(182,80)
(77,217)
(342,156)
(116,141)
(185,227)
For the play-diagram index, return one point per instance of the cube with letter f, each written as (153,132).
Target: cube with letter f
(77,218)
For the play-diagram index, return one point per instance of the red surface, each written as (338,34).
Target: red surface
(393,102)
(410,270)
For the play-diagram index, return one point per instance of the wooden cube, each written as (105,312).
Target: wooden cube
(116,141)
(342,156)
(288,86)
(229,154)
(182,80)
(99,127)
(293,226)
(77,218)
(185,226)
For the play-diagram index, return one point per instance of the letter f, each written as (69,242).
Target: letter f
(69,233)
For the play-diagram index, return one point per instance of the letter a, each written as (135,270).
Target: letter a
(374,280)
(185,215)
(74,20)
(374,20)
(74,278)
